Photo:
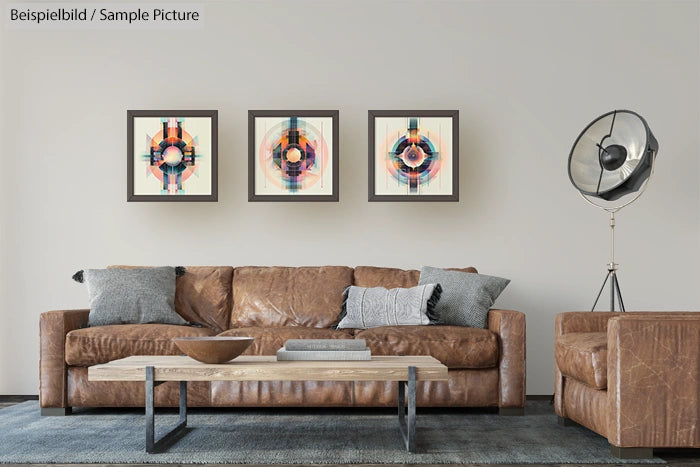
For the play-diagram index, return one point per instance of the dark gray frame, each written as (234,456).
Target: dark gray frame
(131,114)
(252,114)
(454,114)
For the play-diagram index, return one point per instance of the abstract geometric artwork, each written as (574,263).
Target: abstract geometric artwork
(413,155)
(172,155)
(293,155)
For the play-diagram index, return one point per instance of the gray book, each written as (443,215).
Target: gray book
(325,344)
(283,354)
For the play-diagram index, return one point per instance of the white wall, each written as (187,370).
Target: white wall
(526,76)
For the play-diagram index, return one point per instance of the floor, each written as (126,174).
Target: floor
(675,457)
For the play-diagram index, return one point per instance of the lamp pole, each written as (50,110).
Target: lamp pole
(612,271)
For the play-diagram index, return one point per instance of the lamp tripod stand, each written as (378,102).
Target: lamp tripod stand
(612,265)
(612,273)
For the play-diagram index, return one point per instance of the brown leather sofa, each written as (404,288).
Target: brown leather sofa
(633,378)
(273,304)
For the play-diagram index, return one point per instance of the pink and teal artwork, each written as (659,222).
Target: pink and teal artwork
(293,155)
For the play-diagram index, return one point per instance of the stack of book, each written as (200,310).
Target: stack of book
(324,349)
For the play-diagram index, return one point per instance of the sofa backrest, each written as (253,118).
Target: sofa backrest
(288,296)
(220,297)
(390,278)
(203,295)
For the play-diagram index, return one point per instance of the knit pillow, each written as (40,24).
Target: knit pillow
(131,296)
(365,308)
(466,297)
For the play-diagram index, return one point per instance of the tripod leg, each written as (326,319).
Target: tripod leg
(600,292)
(619,294)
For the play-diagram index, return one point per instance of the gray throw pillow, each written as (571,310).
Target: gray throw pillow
(131,296)
(365,308)
(466,297)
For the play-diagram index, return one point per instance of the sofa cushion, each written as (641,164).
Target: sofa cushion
(284,296)
(365,308)
(455,346)
(131,296)
(268,340)
(203,295)
(101,344)
(584,357)
(466,297)
(390,278)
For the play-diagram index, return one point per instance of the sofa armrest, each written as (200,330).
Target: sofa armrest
(53,327)
(509,325)
(654,380)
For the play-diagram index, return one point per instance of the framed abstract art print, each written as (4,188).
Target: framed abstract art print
(172,155)
(293,155)
(413,155)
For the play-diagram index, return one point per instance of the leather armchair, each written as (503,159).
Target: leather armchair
(631,377)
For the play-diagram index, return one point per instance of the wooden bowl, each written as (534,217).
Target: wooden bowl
(213,349)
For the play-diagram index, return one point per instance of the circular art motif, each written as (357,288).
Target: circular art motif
(172,155)
(412,159)
(293,155)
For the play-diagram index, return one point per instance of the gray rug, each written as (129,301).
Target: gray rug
(297,436)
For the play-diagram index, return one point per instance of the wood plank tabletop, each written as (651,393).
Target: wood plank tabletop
(267,368)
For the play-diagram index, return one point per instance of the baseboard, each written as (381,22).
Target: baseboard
(539,397)
(18,398)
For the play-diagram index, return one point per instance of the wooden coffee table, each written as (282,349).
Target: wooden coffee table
(154,370)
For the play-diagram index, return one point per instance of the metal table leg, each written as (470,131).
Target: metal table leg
(408,427)
(153,445)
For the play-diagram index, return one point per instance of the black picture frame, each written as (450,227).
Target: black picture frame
(131,116)
(453,194)
(253,194)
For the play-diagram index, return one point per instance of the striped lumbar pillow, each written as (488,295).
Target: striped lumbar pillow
(365,308)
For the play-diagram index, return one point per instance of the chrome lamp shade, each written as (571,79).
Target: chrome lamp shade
(613,156)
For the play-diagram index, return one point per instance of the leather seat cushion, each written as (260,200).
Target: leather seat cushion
(390,278)
(268,340)
(101,344)
(284,296)
(455,346)
(583,356)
